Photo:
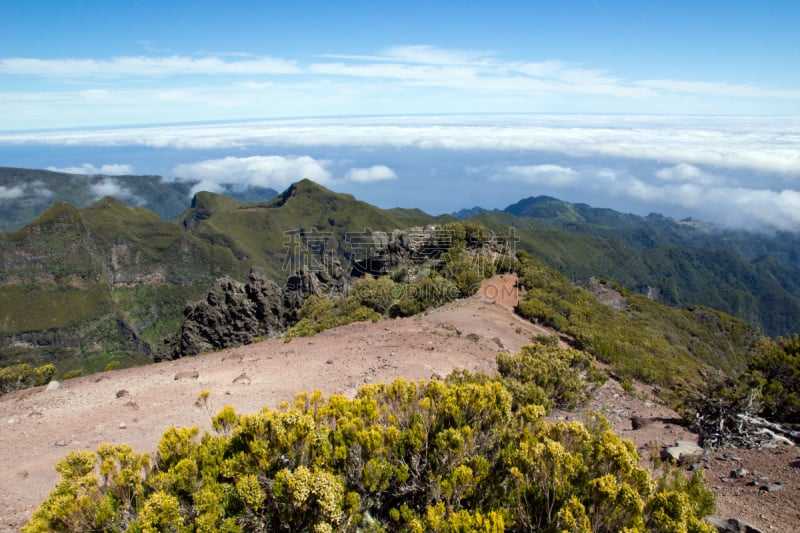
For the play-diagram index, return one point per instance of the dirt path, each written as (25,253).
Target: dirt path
(135,405)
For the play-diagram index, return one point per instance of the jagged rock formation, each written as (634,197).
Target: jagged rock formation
(235,313)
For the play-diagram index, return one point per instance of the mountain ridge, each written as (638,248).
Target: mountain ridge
(115,276)
(109,279)
(28,193)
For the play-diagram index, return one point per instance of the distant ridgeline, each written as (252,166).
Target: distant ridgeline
(752,275)
(32,191)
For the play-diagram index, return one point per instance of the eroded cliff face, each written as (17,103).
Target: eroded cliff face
(82,287)
(235,313)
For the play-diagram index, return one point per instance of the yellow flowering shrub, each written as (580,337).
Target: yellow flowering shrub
(454,456)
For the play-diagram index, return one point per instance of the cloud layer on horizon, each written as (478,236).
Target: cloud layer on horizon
(757,144)
(737,171)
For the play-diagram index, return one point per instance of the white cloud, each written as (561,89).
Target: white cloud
(10,193)
(275,172)
(39,189)
(682,188)
(759,144)
(709,199)
(433,55)
(35,189)
(776,209)
(738,206)
(548,174)
(371,174)
(114,169)
(95,94)
(111,187)
(144,66)
(686,173)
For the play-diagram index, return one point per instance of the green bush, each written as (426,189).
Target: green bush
(549,375)
(44,374)
(775,370)
(432,291)
(404,456)
(377,294)
(506,264)
(467,270)
(321,312)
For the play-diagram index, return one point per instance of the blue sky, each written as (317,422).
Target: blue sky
(589,100)
(90,63)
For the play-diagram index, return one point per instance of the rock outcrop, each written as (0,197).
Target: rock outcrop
(235,313)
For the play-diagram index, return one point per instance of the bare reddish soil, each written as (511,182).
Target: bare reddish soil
(40,426)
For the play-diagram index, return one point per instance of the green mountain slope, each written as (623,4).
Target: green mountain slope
(674,263)
(83,287)
(679,350)
(306,217)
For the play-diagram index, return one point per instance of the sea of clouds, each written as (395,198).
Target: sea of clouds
(734,171)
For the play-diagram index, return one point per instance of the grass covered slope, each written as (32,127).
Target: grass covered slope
(82,287)
(677,266)
(680,350)
(263,234)
(85,287)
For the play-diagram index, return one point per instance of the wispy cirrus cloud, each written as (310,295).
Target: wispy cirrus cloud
(112,169)
(429,66)
(145,66)
(401,79)
(718,89)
